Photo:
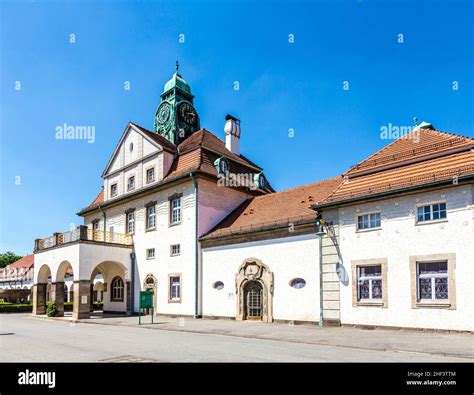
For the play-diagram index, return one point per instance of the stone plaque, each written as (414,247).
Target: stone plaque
(84,299)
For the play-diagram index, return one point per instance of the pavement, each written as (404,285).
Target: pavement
(32,338)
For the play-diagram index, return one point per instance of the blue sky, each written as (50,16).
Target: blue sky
(283,85)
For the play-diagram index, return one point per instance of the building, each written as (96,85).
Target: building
(19,274)
(188,216)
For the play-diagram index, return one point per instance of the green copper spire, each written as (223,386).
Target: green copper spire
(176,117)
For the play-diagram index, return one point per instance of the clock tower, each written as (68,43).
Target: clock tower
(176,118)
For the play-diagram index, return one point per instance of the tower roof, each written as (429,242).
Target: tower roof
(177,81)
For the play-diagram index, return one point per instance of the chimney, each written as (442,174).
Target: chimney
(232,134)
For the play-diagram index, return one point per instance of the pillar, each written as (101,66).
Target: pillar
(91,297)
(57,296)
(81,308)
(39,299)
(129,298)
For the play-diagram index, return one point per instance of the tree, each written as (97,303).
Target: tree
(8,257)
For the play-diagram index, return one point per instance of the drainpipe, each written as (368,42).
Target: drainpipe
(320,323)
(196,247)
(132,283)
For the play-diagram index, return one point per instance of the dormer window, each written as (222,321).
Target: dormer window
(150,175)
(222,165)
(131,183)
(260,181)
(113,190)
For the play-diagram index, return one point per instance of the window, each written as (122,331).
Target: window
(95,225)
(113,190)
(131,183)
(150,175)
(131,222)
(175,249)
(218,285)
(131,147)
(176,211)
(117,290)
(431,212)
(369,282)
(175,289)
(368,221)
(432,281)
(150,253)
(151,217)
(298,283)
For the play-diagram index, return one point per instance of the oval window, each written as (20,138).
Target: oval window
(131,147)
(218,285)
(298,283)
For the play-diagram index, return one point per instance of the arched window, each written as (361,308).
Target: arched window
(117,290)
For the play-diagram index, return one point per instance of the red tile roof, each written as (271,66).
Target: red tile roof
(422,157)
(196,154)
(25,262)
(275,210)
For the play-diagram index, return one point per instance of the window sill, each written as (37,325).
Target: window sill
(150,229)
(116,301)
(174,300)
(371,303)
(174,223)
(433,221)
(439,305)
(173,255)
(150,259)
(368,230)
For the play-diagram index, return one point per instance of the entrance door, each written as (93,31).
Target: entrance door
(253,301)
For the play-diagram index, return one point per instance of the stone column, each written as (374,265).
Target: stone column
(39,299)
(57,296)
(82,294)
(92,297)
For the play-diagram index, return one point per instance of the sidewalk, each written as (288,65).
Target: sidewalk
(459,345)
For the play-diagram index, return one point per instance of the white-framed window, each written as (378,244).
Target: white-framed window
(369,282)
(175,249)
(175,288)
(113,190)
(131,183)
(150,175)
(175,211)
(151,217)
(131,222)
(431,212)
(368,221)
(150,253)
(117,290)
(432,281)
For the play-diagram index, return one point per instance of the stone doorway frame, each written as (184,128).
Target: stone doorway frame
(253,269)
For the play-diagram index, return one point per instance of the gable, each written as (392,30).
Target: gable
(132,147)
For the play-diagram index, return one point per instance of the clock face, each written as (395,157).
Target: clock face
(187,113)
(164,113)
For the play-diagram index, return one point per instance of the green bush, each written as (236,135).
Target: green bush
(16,308)
(52,310)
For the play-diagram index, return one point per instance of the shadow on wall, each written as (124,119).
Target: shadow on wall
(340,269)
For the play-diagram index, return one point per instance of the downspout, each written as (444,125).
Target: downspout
(132,283)
(196,247)
(321,321)
(105,220)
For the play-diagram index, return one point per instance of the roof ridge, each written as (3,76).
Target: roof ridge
(302,186)
(406,137)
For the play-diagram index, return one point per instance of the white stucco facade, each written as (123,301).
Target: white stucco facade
(287,258)
(400,238)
